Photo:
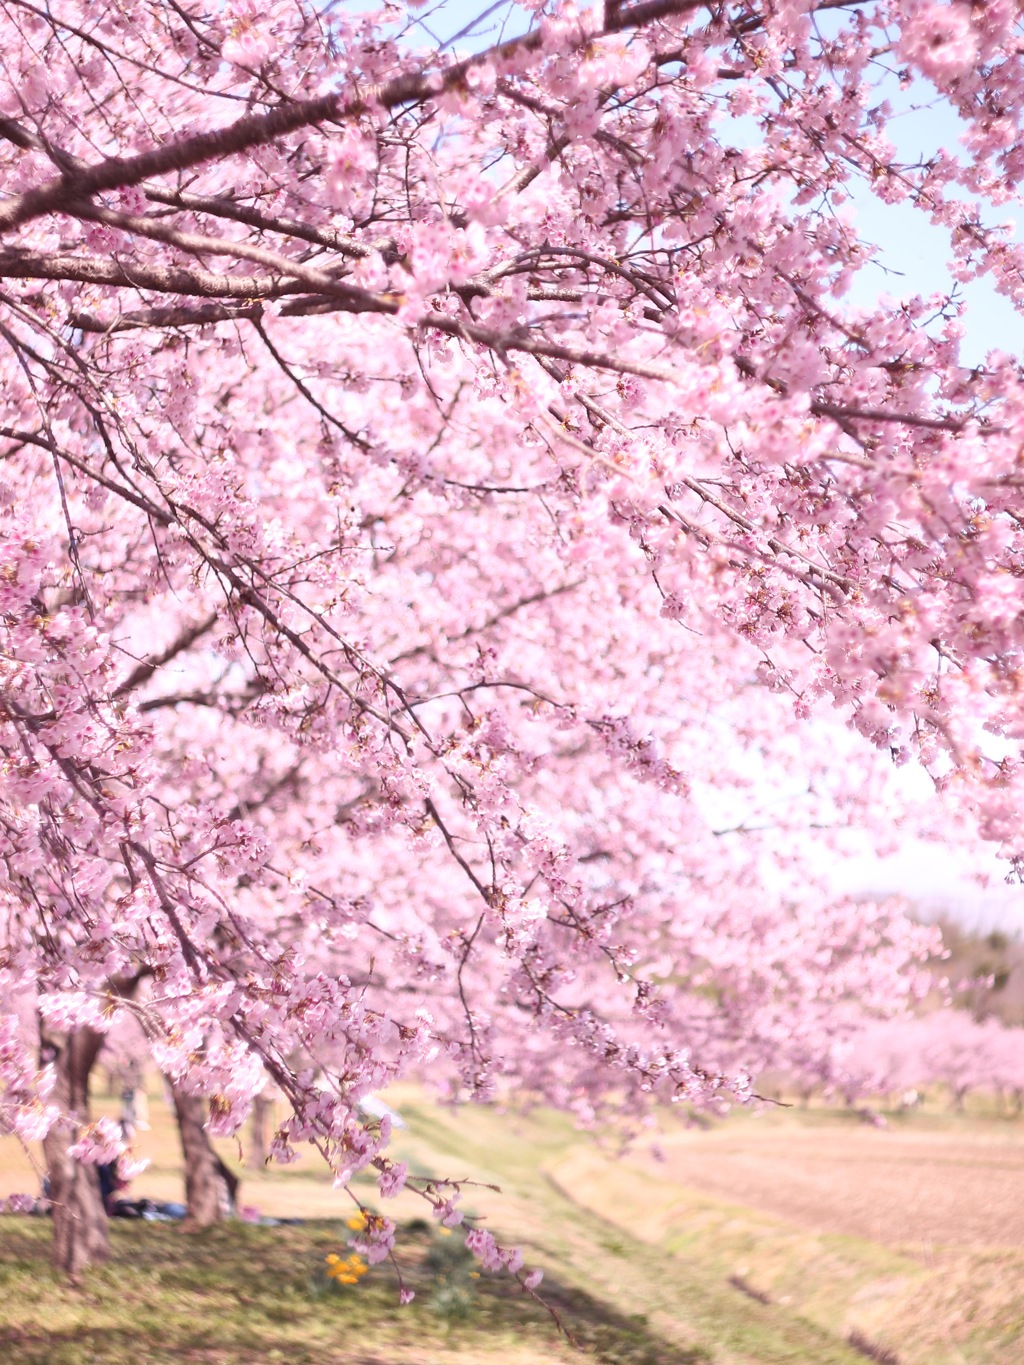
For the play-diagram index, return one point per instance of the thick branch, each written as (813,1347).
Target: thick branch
(255,130)
(169,279)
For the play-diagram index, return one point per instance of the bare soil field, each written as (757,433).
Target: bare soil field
(910,1237)
(899,1187)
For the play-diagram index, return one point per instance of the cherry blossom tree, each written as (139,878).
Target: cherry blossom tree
(946,1047)
(965,1054)
(434,488)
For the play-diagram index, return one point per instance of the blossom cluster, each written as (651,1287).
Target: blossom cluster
(464,539)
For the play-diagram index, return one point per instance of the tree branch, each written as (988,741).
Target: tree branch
(254,130)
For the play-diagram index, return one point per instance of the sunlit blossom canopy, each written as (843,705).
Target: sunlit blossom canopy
(433,487)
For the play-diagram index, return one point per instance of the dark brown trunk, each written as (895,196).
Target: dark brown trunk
(80,1232)
(210,1188)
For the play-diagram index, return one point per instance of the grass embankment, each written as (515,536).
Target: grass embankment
(646,1264)
(941,1281)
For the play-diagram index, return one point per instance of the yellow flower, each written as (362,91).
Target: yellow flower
(332,1259)
(357,1222)
(345,1272)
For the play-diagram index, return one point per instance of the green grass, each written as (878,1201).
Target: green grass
(640,1270)
(240,1294)
(691,1304)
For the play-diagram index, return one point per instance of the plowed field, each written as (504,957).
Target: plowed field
(890,1186)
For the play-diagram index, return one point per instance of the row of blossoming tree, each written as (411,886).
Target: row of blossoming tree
(896,1060)
(433,490)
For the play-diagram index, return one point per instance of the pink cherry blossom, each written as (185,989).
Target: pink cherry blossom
(470,535)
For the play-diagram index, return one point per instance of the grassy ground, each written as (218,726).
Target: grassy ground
(241,1294)
(647,1263)
(929,1286)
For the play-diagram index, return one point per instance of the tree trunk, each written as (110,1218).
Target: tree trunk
(80,1231)
(262,1110)
(210,1188)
